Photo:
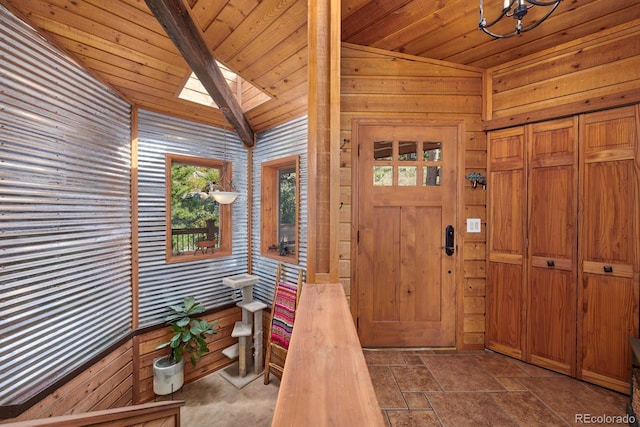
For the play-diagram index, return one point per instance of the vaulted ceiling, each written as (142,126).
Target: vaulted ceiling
(265,41)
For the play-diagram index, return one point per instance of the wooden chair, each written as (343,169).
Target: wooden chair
(283,312)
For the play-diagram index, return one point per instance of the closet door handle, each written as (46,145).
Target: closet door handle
(608,269)
(551,263)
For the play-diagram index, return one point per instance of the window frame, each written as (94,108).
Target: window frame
(225,223)
(269,195)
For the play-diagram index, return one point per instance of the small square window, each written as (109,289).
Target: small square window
(196,225)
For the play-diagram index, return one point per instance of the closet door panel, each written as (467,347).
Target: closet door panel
(504,313)
(609,318)
(552,319)
(608,259)
(552,254)
(506,242)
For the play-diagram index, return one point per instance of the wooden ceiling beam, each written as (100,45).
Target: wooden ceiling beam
(176,20)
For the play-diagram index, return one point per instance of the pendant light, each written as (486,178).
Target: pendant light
(225,192)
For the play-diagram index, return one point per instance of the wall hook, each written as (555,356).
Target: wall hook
(476,179)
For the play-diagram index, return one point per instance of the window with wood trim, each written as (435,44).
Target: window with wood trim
(197,226)
(280,198)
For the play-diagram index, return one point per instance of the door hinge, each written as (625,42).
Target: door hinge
(358,236)
(358,323)
(358,150)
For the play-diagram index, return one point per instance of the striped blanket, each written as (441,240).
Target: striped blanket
(284,312)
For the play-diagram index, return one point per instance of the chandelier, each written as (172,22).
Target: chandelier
(516,9)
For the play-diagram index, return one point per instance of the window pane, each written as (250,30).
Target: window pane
(383,150)
(407,176)
(432,151)
(195,215)
(287,210)
(383,176)
(431,175)
(407,150)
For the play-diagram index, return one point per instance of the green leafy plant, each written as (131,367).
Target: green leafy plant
(188,334)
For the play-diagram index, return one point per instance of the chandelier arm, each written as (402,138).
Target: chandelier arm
(540,21)
(484,25)
(498,36)
(544,3)
(509,15)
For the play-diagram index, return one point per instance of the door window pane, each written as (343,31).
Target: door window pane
(431,175)
(383,150)
(407,150)
(431,151)
(383,176)
(407,176)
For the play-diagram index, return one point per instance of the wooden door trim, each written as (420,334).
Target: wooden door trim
(358,122)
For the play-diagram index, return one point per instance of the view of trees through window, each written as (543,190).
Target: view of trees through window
(287,205)
(195,215)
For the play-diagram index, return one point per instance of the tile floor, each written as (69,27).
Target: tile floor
(482,388)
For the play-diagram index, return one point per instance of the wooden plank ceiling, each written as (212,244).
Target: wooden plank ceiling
(265,42)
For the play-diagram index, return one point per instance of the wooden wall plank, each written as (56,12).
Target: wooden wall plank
(86,391)
(596,72)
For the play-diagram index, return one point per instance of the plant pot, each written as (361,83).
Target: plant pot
(168,375)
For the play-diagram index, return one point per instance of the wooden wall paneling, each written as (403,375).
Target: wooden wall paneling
(552,251)
(596,72)
(146,344)
(104,385)
(609,250)
(378,84)
(506,236)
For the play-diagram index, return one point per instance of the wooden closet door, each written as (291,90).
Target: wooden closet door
(552,252)
(506,233)
(608,249)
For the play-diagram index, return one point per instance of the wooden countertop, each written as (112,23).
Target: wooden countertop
(325,380)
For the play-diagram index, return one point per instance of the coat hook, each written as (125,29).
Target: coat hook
(476,179)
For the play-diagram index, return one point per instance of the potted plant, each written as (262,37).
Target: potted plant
(188,340)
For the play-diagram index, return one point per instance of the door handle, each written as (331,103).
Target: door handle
(449,247)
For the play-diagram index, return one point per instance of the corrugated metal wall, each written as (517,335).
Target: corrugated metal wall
(162,284)
(65,216)
(282,141)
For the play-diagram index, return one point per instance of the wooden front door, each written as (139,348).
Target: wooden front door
(406,198)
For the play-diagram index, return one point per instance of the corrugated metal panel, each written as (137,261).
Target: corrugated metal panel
(65,214)
(162,284)
(282,141)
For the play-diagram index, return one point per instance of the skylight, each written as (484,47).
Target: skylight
(247,95)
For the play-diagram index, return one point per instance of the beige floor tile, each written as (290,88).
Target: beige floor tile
(386,388)
(416,400)
(461,373)
(414,378)
(468,409)
(413,419)
(527,410)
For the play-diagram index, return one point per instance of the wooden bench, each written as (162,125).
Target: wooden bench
(325,380)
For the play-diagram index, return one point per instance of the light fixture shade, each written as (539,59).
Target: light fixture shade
(225,197)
